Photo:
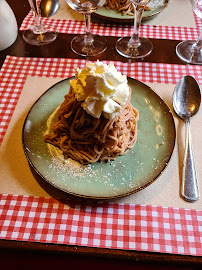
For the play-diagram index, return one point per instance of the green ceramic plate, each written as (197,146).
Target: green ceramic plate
(127,174)
(115,16)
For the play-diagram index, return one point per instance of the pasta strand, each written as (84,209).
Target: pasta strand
(87,139)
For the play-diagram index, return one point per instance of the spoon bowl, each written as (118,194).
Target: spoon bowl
(186,97)
(48,7)
(186,103)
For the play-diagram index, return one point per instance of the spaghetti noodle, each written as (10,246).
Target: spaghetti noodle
(125,7)
(86,139)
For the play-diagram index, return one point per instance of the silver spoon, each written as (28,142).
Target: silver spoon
(48,7)
(186,103)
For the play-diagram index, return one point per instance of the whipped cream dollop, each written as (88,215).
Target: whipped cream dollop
(102,89)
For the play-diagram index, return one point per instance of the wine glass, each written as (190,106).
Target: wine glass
(38,34)
(191,51)
(135,46)
(87,44)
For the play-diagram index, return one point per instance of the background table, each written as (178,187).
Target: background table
(57,48)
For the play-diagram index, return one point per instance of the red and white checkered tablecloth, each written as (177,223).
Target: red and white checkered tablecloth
(101,224)
(94,224)
(150,31)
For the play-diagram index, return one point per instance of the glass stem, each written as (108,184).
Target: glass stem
(88,36)
(195,48)
(199,40)
(38,26)
(134,40)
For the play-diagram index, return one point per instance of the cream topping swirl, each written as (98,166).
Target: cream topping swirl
(102,89)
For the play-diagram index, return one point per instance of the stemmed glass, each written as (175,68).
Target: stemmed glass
(135,46)
(87,44)
(191,51)
(38,34)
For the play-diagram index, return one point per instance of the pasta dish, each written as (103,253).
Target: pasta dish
(87,135)
(125,7)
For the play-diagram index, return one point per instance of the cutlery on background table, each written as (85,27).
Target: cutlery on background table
(48,7)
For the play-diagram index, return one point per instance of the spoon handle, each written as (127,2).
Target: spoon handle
(190,191)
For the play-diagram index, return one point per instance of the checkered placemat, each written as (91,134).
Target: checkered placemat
(95,224)
(150,31)
(101,224)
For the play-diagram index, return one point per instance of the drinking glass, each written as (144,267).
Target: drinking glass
(191,51)
(87,44)
(38,34)
(135,46)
